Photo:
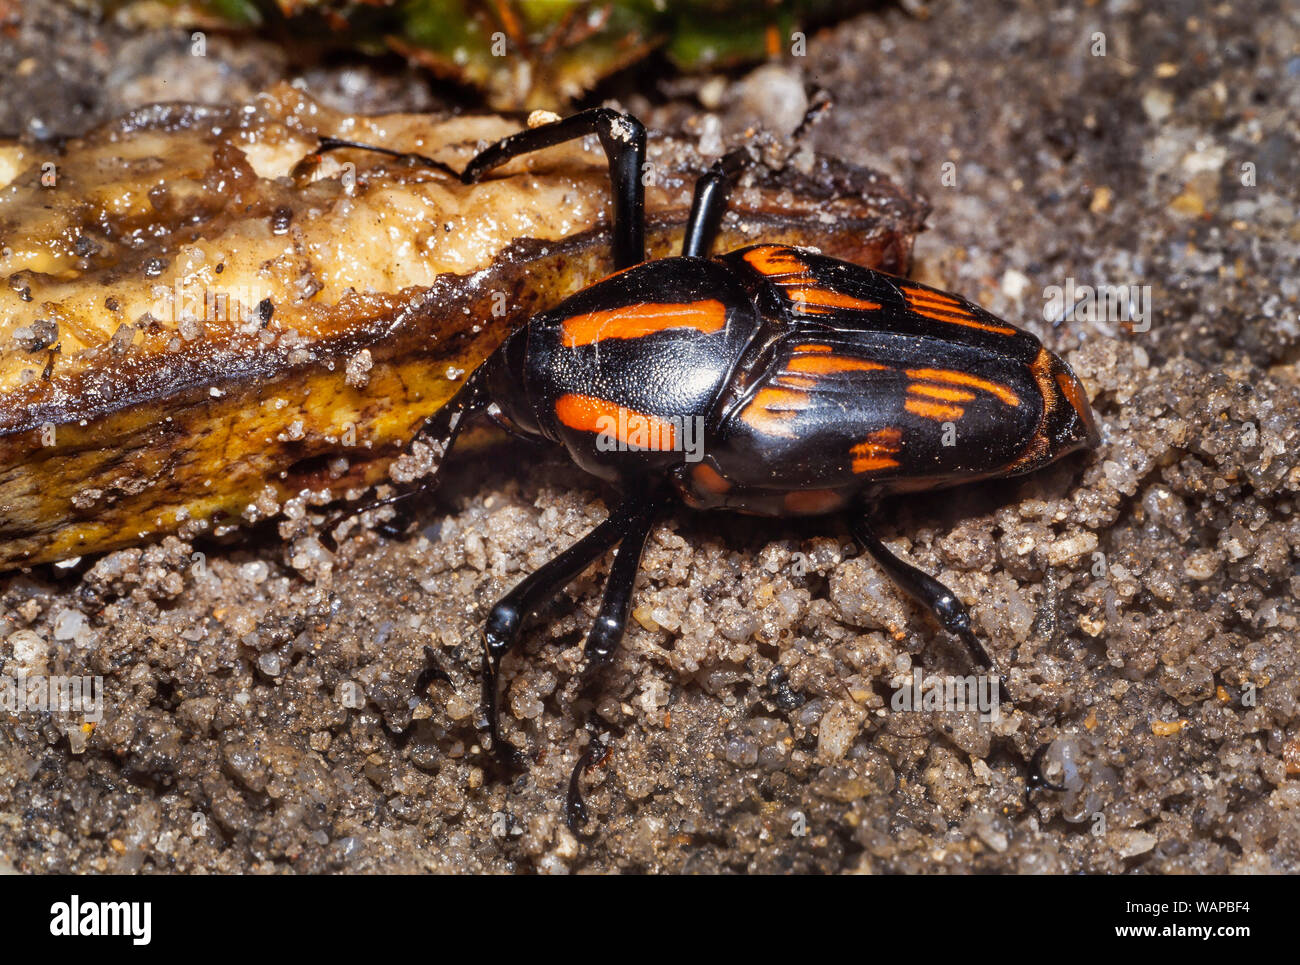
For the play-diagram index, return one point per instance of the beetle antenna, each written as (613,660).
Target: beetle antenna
(819,103)
(338,144)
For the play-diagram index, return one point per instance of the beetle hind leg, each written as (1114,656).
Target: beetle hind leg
(933,595)
(954,617)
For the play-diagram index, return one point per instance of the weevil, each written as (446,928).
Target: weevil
(816,386)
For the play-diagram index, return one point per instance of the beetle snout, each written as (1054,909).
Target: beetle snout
(1077,425)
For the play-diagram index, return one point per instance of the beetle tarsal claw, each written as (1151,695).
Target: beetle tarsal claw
(1036,779)
(575,808)
(507,753)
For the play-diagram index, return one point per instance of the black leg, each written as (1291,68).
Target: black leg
(623,138)
(933,595)
(709,202)
(607,631)
(506,619)
(952,614)
(444,426)
(431,671)
(575,808)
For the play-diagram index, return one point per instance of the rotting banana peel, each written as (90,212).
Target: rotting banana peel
(196,324)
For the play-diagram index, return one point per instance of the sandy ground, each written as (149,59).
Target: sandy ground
(258,711)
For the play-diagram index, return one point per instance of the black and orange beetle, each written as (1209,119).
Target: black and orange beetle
(816,387)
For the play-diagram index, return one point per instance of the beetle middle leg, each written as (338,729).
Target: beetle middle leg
(444,428)
(610,625)
(628,524)
(931,594)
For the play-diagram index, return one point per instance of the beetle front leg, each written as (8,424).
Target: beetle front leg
(623,138)
(933,595)
(339,144)
(505,622)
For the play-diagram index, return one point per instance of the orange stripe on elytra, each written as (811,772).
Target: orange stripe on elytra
(933,410)
(831,364)
(924,295)
(947,308)
(635,321)
(772,408)
(1073,392)
(968,322)
(956,308)
(795,381)
(820,297)
(877,451)
(588,413)
(868,459)
(812,347)
(780,400)
(961,378)
(939,308)
(775,260)
(941,393)
(870,463)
